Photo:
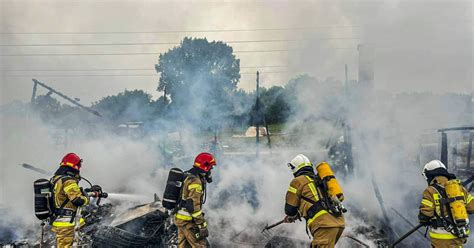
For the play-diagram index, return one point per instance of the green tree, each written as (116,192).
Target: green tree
(200,78)
(49,108)
(133,105)
(275,104)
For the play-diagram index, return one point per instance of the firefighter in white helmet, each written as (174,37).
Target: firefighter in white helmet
(305,198)
(445,207)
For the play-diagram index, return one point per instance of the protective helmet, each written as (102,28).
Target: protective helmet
(204,161)
(431,167)
(299,162)
(72,160)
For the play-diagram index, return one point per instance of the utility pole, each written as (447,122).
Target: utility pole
(51,90)
(33,96)
(347,79)
(257,115)
(347,126)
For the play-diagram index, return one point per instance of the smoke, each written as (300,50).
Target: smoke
(387,139)
(417,50)
(109,162)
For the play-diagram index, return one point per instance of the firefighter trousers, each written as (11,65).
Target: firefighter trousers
(447,243)
(326,237)
(64,236)
(187,237)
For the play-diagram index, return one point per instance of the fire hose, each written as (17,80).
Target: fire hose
(406,235)
(268,227)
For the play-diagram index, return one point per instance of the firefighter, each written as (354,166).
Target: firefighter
(436,213)
(67,198)
(192,227)
(305,199)
(339,156)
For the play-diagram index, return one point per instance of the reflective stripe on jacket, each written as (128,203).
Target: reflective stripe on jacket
(191,199)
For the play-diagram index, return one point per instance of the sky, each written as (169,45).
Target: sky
(419,46)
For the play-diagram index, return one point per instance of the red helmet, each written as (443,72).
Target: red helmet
(204,161)
(72,160)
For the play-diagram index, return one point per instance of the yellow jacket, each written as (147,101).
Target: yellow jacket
(66,188)
(191,201)
(303,185)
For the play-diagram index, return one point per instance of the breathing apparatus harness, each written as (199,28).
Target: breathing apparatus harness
(67,212)
(325,202)
(184,204)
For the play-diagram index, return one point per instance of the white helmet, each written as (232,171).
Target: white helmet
(432,165)
(299,162)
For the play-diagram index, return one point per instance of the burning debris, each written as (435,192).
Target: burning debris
(369,120)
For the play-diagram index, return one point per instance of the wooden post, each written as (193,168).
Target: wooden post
(257,116)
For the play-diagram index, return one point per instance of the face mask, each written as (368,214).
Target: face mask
(208,177)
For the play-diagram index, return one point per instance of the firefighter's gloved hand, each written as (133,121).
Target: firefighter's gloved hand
(84,191)
(96,189)
(425,220)
(202,232)
(290,219)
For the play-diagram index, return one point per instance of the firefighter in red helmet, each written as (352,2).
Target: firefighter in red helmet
(68,197)
(192,227)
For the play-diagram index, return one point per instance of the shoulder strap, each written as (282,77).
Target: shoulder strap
(62,178)
(444,204)
(317,192)
(309,200)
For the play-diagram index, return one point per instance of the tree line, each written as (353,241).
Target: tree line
(198,84)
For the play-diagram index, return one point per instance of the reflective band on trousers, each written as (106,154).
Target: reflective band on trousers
(316,216)
(196,214)
(183,215)
(469,198)
(66,224)
(446,235)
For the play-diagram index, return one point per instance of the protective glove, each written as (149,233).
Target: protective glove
(425,220)
(84,192)
(202,231)
(290,219)
(96,189)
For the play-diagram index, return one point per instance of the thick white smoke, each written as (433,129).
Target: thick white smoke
(416,45)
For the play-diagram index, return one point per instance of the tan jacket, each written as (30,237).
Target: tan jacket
(304,185)
(67,188)
(429,206)
(192,197)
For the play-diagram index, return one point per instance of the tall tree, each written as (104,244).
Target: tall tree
(133,105)
(274,100)
(49,108)
(200,78)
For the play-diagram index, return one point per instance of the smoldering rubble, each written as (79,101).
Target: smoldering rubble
(387,118)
